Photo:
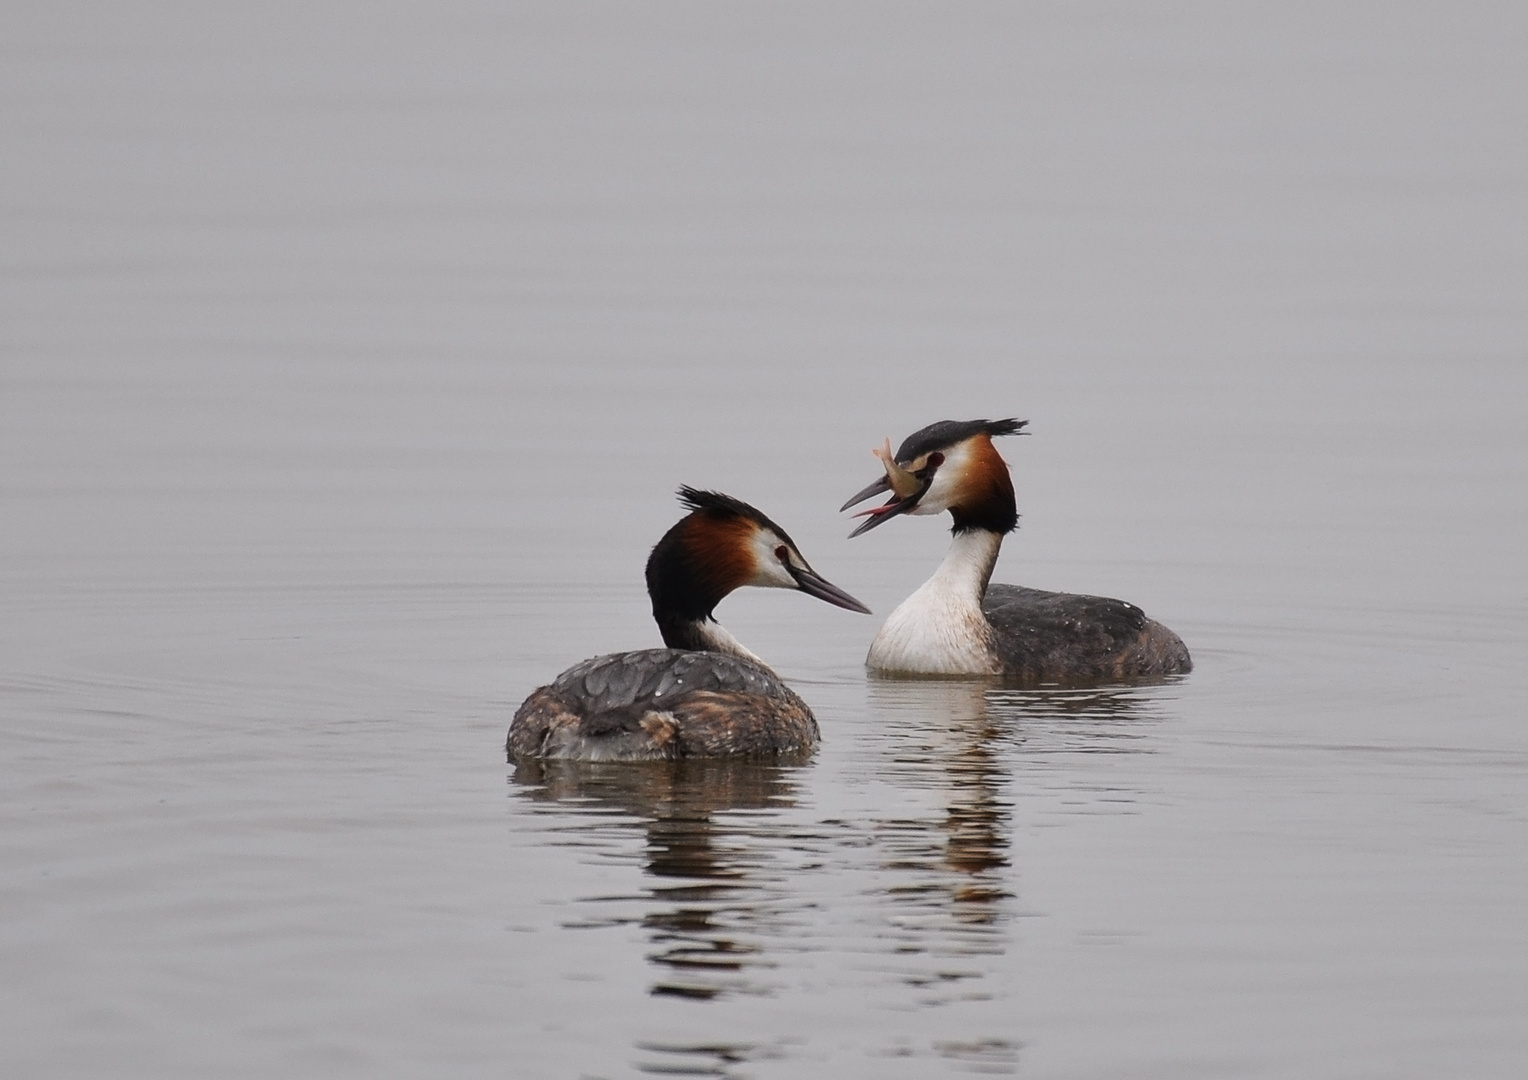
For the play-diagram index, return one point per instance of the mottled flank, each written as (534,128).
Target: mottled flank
(1068,638)
(661,704)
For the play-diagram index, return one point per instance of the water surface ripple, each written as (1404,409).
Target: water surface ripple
(350,357)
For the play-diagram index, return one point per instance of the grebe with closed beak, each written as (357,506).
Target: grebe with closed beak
(704,695)
(956,623)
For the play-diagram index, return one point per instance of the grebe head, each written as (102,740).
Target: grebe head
(722,545)
(951,465)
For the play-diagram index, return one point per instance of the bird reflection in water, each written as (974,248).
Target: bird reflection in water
(708,902)
(907,888)
(961,744)
(950,870)
(966,737)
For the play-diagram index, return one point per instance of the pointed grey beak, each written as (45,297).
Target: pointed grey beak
(898,504)
(876,488)
(894,506)
(813,584)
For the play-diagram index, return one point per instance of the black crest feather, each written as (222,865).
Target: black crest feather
(947,433)
(714,502)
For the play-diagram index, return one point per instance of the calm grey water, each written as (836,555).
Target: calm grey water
(351,356)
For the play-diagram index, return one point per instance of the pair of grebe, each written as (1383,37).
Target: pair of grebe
(705,695)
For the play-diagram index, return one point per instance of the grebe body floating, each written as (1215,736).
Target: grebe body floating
(704,695)
(957,623)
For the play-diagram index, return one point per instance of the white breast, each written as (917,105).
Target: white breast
(940,628)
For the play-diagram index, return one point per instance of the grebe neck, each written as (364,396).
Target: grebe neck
(968,564)
(685,587)
(940,629)
(700,635)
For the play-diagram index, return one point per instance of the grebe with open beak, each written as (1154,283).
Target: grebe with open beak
(956,623)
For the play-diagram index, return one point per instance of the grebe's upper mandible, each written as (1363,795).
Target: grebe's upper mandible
(958,624)
(705,695)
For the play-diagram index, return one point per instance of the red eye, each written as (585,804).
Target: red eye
(780,553)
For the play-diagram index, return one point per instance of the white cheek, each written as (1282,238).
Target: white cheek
(937,499)
(941,493)
(768,573)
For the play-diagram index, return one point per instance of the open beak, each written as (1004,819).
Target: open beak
(881,485)
(809,582)
(906,488)
(885,512)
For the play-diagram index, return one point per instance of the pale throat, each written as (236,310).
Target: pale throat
(715,638)
(940,629)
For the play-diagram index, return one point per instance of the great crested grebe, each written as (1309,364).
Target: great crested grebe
(705,695)
(958,624)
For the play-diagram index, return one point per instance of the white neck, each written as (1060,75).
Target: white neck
(716,639)
(940,629)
